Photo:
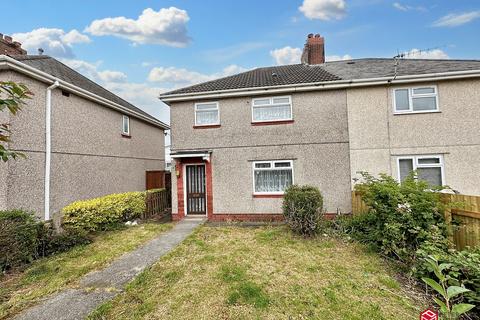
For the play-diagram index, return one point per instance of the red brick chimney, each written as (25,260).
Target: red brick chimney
(314,50)
(10,47)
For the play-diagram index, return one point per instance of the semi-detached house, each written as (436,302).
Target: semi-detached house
(239,141)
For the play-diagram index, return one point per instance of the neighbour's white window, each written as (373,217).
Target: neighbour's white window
(419,99)
(272,109)
(272,177)
(126,125)
(207,113)
(429,168)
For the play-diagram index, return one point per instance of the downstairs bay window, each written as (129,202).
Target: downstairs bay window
(428,168)
(272,177)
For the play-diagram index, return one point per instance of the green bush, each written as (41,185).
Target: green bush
(462,268)
(302,209)
(401,216)
(18,238)
(52,242)
(104,213)
(24,238)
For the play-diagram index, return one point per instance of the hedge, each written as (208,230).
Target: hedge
(24,238)
(104,213)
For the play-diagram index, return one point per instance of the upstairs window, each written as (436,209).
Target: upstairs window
(429,168)
(126,125)
(207,113)
(272,177)
(412,100)
(272,109)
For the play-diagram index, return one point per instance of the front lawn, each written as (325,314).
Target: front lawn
(45,276)
(264,273)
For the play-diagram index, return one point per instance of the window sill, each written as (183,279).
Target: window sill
(268,195)
(126,136)
(415,112)
(210,126)
(270,123)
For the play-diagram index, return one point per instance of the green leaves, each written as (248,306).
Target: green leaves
(435,285)
(462,308)
(454,291)
(12,96)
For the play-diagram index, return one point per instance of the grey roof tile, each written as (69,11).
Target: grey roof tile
(329,71)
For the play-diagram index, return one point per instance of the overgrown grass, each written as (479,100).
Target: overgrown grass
(46,276)
(263,273)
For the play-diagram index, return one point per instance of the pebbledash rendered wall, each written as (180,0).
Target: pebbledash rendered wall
(89,157)
(378,137)
(317,142)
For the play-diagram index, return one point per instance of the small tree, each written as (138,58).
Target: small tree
(12,97)
(302,209)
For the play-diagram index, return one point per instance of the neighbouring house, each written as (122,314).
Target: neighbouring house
(80,140)
(239,141)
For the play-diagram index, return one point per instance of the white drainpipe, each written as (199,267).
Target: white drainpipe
(48,147)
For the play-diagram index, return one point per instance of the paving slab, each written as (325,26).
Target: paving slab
(100,286)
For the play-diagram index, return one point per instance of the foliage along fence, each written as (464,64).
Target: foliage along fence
(157,203)
(463,215)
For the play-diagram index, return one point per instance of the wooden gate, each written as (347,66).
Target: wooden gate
(156,179)
(196,200)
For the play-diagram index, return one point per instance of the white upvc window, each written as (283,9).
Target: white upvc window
(415,100)
(272,109)
(429,168)
(207,113)
(126,125)
(272,177)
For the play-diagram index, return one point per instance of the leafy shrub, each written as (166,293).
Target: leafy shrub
(401,216)
(51,242)
(463,268)
(18,238)
(448,296)
(302,209)
(24,238)
(104,213)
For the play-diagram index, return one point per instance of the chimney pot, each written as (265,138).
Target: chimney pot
(314,50)
(10,47)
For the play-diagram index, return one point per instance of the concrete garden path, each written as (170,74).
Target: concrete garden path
(100,286)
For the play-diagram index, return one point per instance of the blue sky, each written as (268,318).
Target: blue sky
(139,48)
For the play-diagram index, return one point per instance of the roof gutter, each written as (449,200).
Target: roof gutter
(45,77)
(326,85)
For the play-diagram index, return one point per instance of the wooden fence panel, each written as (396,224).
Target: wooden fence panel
(157,204)
(465,215)
(462,215)
(358,206)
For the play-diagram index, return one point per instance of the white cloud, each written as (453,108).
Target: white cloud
(455,20)
(112,76)
(54,42)
(324,9)
(405,7)
(286,55)
(179,76)
(90,70)
(338,58)
(168,26)
(430,54)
